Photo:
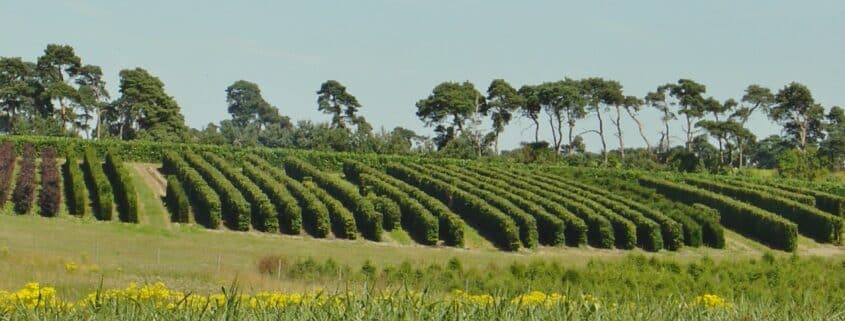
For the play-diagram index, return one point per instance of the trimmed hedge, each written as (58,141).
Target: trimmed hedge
(236,210)
(265,218)
(627,188)
(99,185)
(425,218)
(714,235)
(343,221)
(177,201)
(204,200)
(798,197)
(24,193)
(289,211)
(368,220)
(50,198)
(7,169)
(625,231)
(389,210)
(671,232)
(575,230)
(75,192)
(551,230)
(828,202)
(819,225)
(490,221)
(315,215)
(600,231)
(124,189)
(748,220)
(528,233)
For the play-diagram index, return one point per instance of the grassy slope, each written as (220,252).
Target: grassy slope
(37,249)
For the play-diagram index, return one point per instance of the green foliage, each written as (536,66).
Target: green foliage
(714,234)
(74,185)
(552,219)
(369,221)
(236,210)
(528,233)
(799,164)
(491,222)
(24,192)
(424,217)
(50,197)
(821,226)
(551,229)
(343,221)
(643,216)
(748,220)
(99,185)
(315,215)
(145,102)
(176,200)
(124,189)
(390,211)
(204,200)
(263,212)
(625,231)
(7,170)
(290,213)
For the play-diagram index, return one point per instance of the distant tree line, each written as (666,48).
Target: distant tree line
(59,95)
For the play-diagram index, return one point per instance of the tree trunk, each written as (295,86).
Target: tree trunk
(619,133)
(536,129)
(555,139)
(64,116)
(571,124)
(640,126)
(601,135)
(666,135)
(689,133)
(99,123)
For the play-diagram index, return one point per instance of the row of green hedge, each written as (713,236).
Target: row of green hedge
(746,219)
(528,233)
(498,227)
(714,233)
(124,189)
(696,227)
(99,185)
(290,213)
(390,211)
(819,225)
(314,216)
(671,231)
(425,218)
(797,197)
(368,220)
(825,201)
(7,170)
(343,221)
(74,185)
(24,193)
(551,229)
(236,210)
(176,200)
(50,198)
(263,213)
(625,231)
(205,202)
(152,152)
(600,231)
(649,232)
(575,230)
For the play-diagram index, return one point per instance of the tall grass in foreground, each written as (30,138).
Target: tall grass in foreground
(157,302)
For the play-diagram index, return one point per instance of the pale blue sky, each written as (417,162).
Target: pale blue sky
(392,53)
